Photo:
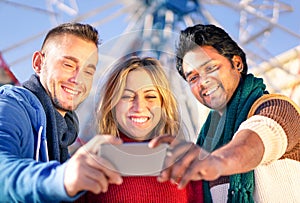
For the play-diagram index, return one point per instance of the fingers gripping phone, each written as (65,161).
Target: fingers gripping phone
(135,159)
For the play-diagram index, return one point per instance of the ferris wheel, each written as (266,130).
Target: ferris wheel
(261,27)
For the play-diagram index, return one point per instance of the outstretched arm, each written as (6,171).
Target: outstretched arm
(186,161)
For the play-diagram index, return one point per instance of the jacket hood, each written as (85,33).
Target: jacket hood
(33,108)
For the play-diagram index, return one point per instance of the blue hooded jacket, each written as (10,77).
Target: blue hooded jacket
(26,174)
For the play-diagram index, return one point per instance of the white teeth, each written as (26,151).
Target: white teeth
(139,120)
(209,92)
(71,91)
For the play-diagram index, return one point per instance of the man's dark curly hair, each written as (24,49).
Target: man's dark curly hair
(208,35)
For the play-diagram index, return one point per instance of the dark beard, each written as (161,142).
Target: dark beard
(58,106)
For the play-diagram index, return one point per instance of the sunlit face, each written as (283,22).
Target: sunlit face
(211,76)
(66,71)
(139,110)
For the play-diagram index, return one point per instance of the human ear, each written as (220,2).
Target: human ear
(37,61)
(237,63)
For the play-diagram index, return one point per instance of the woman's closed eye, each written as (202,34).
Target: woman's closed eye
(128,97)
(150,96)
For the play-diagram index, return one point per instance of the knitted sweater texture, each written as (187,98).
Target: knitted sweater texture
(277,177)
(146,189)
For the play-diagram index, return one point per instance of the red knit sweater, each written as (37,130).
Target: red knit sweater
(146,189)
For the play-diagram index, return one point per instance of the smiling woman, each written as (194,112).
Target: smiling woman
(137,105)
(139,109)
(137,90)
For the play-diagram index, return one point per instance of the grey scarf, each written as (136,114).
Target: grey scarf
(61,131)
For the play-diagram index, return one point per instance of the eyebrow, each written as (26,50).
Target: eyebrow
(203,64)
(148,90)
(76,61)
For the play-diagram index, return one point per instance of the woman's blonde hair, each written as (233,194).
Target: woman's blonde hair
(113,89)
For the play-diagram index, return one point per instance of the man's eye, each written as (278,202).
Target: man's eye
(193,79)
(90,72)
(210,69)
(68,65)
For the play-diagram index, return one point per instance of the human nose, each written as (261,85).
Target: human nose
(77,76)
(203,78)
(139,104)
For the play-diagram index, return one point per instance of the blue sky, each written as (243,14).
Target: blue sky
(23,27)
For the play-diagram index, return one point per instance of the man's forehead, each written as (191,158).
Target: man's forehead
(196,57)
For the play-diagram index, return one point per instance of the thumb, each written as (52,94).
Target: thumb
(161,139)
(93,146)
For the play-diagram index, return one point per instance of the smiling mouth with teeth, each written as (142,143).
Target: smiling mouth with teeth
(73,92)
(139,119)
(210,91)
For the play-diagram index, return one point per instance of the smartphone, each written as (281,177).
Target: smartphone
(135,159)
